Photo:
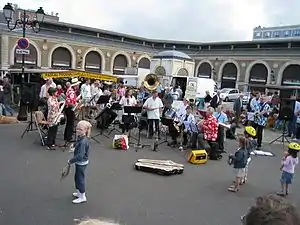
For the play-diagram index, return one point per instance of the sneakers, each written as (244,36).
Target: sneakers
(76,194)
(80,198)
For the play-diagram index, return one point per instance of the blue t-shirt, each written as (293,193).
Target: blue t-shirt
(221,117)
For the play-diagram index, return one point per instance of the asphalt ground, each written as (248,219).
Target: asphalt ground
(31,192)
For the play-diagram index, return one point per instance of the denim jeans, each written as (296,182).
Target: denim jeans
(9,109)
(79,178)
(2,110)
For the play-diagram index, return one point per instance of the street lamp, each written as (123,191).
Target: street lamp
(23,22)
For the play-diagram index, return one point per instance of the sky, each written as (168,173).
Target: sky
(186,20)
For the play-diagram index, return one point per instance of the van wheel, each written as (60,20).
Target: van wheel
(226,99)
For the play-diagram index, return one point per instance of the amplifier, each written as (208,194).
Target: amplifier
(198,157)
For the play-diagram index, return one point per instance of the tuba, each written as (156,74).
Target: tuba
(151,82)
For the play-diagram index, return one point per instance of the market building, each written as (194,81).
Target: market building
(63,46)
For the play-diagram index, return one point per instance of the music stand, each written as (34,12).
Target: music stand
(132,110)
(167,122)
(117,107)
(103,99)
(283,137)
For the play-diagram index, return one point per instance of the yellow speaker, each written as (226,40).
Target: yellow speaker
(198,157)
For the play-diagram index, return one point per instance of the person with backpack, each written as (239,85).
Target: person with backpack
(239,162)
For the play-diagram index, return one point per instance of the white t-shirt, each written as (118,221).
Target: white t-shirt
(128,102)
(153,103)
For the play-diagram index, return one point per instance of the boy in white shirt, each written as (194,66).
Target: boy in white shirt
(153,105)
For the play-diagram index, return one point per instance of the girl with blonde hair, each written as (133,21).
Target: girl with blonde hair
(81,159)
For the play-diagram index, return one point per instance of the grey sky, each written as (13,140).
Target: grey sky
(194,20)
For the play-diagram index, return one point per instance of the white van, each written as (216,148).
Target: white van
(194,87)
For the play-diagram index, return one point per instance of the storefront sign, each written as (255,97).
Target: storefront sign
(70,74)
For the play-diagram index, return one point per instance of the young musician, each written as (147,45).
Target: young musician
(261,113)
(183,107)
(189,126)
(153,105)
(127,100)
(71,100)
(53,111)
(170,113)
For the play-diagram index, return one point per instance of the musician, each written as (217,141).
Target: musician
(121,90)
(44,95)
(127,100)
(86,96)
(96,92)
(170,113)
(53,111)
(182,108)
(142,95)
(153,105)
(71,100)
(261,114)
(189,127)
(168,98)
(221,118)
(253,103)
(209,128)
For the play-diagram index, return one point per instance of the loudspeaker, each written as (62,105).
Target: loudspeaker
(286,110)
(198,157)
(30,94)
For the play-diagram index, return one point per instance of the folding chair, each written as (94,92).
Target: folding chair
(42,126)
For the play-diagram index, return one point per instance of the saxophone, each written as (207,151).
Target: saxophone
(60,115)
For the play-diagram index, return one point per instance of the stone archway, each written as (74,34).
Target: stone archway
(229,75)
(93,62)
(61,58)
(31,60)
(290,77)
(258,75)
(120,64)
(183,72)
(204,70)
(144,63)
(160,71)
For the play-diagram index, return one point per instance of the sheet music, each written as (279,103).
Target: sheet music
(225,125)
(250,116)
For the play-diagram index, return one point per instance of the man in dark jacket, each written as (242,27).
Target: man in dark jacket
(216,100)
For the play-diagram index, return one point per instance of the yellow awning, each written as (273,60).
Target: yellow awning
(84,74)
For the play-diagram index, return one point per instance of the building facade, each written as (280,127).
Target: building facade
(281,32)
(232,64)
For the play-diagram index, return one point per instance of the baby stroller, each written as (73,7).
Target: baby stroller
(42,126)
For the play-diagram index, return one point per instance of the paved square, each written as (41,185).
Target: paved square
(31,192)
